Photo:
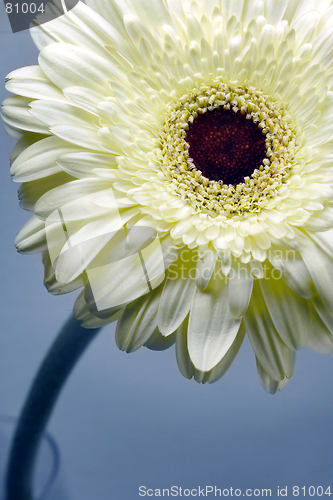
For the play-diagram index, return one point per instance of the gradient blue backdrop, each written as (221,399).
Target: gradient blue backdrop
(126,420)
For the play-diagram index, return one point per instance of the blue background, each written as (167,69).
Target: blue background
(126,420)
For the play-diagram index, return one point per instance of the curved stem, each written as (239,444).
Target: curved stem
(50,379)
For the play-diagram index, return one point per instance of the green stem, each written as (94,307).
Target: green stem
(50,379)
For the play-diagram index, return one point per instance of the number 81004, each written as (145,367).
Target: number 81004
(24,8)
(311,491)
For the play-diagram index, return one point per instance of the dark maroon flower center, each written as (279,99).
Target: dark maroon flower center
(226,146)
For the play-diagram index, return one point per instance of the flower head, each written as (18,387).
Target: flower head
(177,157)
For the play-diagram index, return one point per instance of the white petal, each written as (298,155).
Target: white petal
(86,137)
(61,196)
(325,315)
(297,8)
(184,362)
(324,240)
(110,198)
(80,26)
(157,342)
(113,11)
(293,271)
(205,267)
(320,266)
(39,160)
(321,339)
(289,312)
(87,319)
(212,330)
(186,366)
(51,283)
(66,65)
(87,99)
(320,46)
(119,282)
(31,82)
(15,113)
(30,192)
(52,113)
(31,237)
(240,289)
(154,14)
(28,139)
(85,244)
(274,356)
(176,300)
(274,11)
(177,7)
(270,385)
(221,368)
(137,322)
(84,165)
(138,31)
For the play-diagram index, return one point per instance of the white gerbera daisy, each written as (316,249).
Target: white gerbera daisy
(177,156)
